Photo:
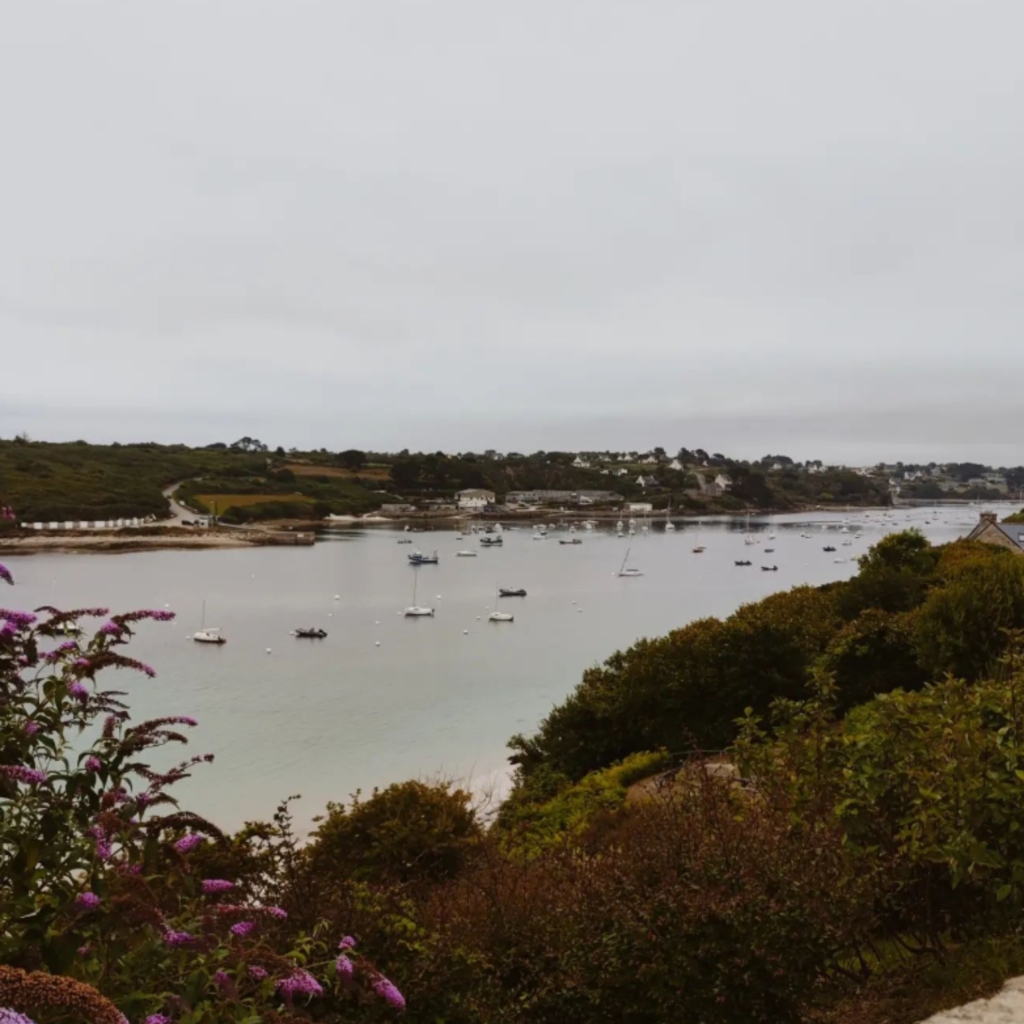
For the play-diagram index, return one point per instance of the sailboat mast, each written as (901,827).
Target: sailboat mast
(624,561)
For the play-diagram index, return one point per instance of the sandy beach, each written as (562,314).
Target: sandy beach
(112,541)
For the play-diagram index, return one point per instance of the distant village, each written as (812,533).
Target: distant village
(642,482)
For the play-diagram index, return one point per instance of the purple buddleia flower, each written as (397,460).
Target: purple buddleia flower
(21,619)
(215,885)
(78,690)
(301,983)
(343,967)
(103,848)
(226,984)
(8,630)
(31,728)
(275,912)
(242,929)
(84,950)
(387,991)
(5,574)
(159,1018)
(257,972)
(178,939)
(93,764)
(82,663)
(58,652)
(189,842)
(12,1016)
(157,615)
(347,943)
(87,901)
(20,773)
(111,629)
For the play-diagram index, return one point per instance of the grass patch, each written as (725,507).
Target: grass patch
(225,501)
(336,472)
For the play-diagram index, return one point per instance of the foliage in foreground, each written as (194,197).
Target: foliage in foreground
(100,870)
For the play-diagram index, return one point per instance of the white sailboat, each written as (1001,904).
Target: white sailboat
(623,571)
(207,634)
(698,548)
(670,527)
(414,610)
(749,539)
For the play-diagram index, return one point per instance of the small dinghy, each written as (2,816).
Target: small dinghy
(310,634)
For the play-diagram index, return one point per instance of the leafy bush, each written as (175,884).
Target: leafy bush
(684,690)
(873,654)
(409,830)
(569,811)
(961,626)
(98,878)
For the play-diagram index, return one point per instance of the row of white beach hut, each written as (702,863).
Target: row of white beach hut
(91,524)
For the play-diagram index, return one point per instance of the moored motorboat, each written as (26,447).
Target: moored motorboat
(505,592)
(465,554)
(310,634)
(418,558)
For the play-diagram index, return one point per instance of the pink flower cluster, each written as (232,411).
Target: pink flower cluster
(87,901)
(188,843)
(301,983)
(215,885)
(19,773)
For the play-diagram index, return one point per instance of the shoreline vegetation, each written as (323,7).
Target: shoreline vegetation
(805,813)
(248,484)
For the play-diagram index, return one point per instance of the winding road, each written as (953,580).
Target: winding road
(178,512)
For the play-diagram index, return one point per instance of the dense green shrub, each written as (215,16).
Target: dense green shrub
(961,627)
(874,653)
(686,689)
(410,830)
(570,809)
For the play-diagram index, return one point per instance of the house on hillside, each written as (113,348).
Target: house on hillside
(474,499)
(676,466)
(639,508)
(724,481)
(580,463)
(1005,535)
(649,460)
(646,481)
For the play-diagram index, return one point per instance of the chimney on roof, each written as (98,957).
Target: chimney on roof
(989,517)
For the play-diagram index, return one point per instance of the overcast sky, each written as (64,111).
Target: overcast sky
(793,226)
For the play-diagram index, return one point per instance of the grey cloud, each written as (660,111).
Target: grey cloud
(793,226)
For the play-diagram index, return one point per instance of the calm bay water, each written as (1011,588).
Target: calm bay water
(324,718)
